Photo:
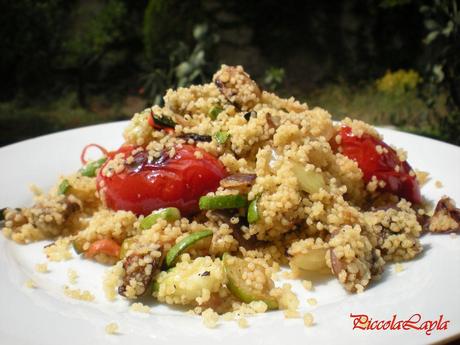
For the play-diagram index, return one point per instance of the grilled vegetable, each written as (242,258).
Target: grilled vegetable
(221,137)
(234,269)
(170,214)
(215,111)
(253,212)
(89,170)
(63,186)
(179,248)
(105,246)
(196,137)
(310,181)
(184,283)
(218,202)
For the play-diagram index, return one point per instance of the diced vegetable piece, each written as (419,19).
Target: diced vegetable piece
(163,121)
(63,187)
(187,280)
(89,170)
(77,246)
(310,181)
(178,248)
(215,111)
(169,214)
(221,137)
(196,137)
(105,246)
(125,246)
(234,268)
(219,202)
(238,181)
(253,212)
(313,260)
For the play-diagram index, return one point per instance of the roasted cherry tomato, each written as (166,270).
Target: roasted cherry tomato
(385,166)
(144,186)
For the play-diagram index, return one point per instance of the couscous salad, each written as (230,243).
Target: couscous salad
(212,193)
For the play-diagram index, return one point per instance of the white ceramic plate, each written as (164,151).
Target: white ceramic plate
(429,285)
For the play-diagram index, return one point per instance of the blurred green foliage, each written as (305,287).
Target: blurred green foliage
(273,78)
(99,60)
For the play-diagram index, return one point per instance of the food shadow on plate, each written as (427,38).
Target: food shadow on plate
(390,270)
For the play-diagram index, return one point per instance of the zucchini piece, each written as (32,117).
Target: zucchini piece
(170,214)
(63,186)
(89,170)
(221,137)
(77,246)
(215,111)
(253,212)
(219,202)
(178,248)
(234,268)
(314,260)
(309,181)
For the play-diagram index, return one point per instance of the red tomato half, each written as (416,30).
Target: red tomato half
(166,182)
(385,166)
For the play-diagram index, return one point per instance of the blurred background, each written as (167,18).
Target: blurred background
(71,63)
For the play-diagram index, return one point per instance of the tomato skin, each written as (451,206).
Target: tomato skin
(167,182)
(383,166)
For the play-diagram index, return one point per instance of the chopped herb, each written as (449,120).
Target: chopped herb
(163,121)
(89,170)
(205,274)
(221,137)
(63,187)
(196,137)
(215,111)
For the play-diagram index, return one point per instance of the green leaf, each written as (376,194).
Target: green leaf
(431,37)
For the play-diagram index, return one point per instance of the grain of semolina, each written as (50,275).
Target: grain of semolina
(111,328)
(42,267)
(30,284)
(312,301)
(243,323)
(308,319)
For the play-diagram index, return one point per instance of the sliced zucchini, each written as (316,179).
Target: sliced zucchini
(77,246)
(234,269)
(218,202)
(309,181)
(221,137)
(314,260)
(63,186)
(89,170)
(187,280)
(178,248)
(170,214)
(215,111)
(253,212)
